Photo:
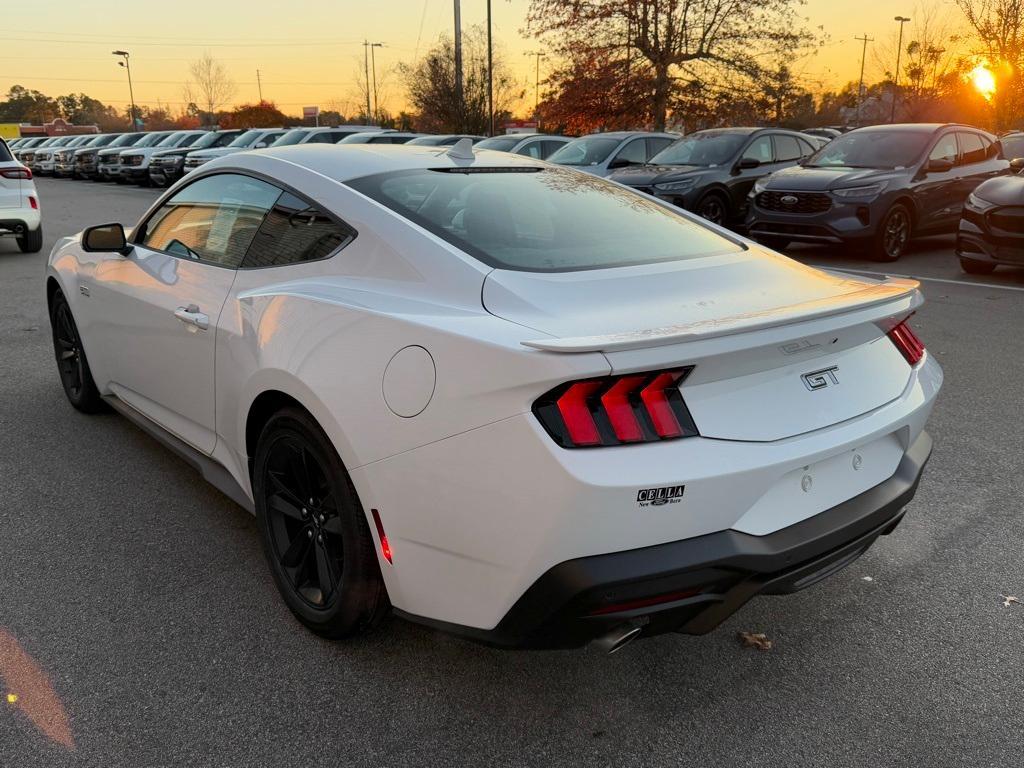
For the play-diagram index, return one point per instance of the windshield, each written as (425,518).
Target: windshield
(872,149)
(1013,146)
(247,138)
(213,139)
(126,140)
(542,220)
(500,143)
(592,150)
(150,139)
(102,141)
(706,148)
(292,137)
(172,140)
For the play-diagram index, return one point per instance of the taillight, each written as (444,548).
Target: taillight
(385,547)
(33,203)
(16,173)
(907,343)
(617,410)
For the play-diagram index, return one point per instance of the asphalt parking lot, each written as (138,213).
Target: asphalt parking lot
(142,596)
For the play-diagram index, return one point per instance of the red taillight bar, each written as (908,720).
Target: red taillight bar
(17,173)
(907,343)
(617,410)
(385,547)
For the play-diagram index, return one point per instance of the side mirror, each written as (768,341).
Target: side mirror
(260,145)
(939,165)
(747,163)
(620,163)
(1017,164)
(105,238)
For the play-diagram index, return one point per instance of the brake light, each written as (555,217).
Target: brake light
(16,173)
(33,203)
(617,410)
(907,343)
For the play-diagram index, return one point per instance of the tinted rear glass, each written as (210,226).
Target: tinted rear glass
(1013,146)
(5,153)
(542,220)
(590,150)
(500,143)
(872,149)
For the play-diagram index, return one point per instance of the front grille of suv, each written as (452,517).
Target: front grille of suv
(805,202)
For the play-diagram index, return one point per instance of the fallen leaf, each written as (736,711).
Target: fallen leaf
(757,640)
(1009,600)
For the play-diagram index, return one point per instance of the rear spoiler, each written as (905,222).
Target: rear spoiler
(889,290)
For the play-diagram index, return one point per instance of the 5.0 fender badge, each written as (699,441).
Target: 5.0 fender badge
(656,497)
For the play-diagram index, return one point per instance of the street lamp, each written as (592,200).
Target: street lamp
(896,79)
(131,93)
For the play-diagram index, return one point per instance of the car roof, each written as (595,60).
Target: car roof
(343,162)
(629,134)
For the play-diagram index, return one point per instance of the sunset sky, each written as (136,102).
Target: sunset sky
(308,51)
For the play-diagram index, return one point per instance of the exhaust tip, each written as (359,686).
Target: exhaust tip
(618,638)
(19,229)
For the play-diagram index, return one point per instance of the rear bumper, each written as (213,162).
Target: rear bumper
(692,586)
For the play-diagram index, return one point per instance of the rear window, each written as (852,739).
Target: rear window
(542,220)
(5,152)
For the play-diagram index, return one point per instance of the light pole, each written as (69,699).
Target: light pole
(490,71)
(860,88)
(131,93)
(536,85)
(373,63)
(896,79)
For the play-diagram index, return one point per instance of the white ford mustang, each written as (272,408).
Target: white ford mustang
(505,398)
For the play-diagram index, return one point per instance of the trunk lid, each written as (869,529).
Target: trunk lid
(778,349)
(10,189)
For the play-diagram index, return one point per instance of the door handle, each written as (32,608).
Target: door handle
(193,316)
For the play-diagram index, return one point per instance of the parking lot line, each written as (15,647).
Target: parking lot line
(919,277)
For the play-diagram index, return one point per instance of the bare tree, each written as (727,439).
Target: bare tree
(208,86)
(665,46)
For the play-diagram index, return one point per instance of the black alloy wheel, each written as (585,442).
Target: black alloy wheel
(713,208)
(894,234)
(315,534)
(72,365)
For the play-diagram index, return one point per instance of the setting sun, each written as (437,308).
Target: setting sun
(984,81)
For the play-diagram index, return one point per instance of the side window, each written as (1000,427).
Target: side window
(787,149)
(550,147)
(320,138)
(946,149)
(807,148)
(635,152)
(333,137)
(213,219)
(972,149)
(295,231)
(654,146)
(760,149)
(532,149)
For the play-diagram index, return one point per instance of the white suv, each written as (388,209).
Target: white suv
(135,161)
(19,203)
(257,138)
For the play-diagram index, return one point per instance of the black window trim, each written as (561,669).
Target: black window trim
(961,161)
(140,229)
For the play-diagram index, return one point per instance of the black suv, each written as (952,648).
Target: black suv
(992,225)
(876,188)
(710,172)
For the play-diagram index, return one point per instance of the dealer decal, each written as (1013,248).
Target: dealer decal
(669,494)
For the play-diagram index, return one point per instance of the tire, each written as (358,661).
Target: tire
(72,364)
(894,234)
(972,267)
(775,243)
(323,544)
(32,240)
(714,207)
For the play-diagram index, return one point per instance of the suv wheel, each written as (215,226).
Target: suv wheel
(315,535)
(714,208)
(972,267)
(894,234)
(31,241)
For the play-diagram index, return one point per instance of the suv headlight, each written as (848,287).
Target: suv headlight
(761,185)
(676,186)
(867,191)
(978,203)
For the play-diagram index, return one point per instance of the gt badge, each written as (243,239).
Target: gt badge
(826,377)
(669,494)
